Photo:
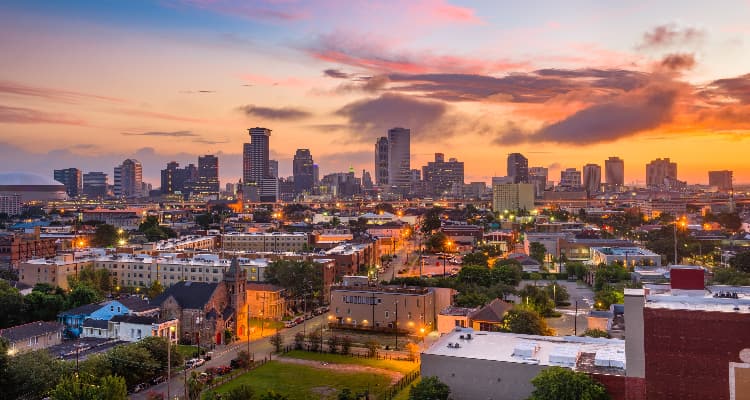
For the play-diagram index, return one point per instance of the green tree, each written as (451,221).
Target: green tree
(476,258)
(474,274)
(558,383)
(299,340)
(82,295)
(277,341)
(372,347)
(538,299)
(242,392)
(508,273)
(41,306)
(429,388)
(537,251)
(155,289)
(607,296)
(297,277)
(134,363)
(741,261)
(108,387)
(524,320)
(431,220)
(558,293)
(157,346)
(105,236)
(437,241)
(314,338)
(597,333)
(730,276)
(346,345)
(31,375)
(12,309)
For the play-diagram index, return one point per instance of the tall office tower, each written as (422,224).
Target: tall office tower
(316,174)
(255,165)
(273,168)
(442,177)
(592,178)
(721,179)
(169,177)
(208,175)
(518,168)
(230,188)
(660,172)
(399,160)
(72,179)
(570,178)
(512,197)
(381,161)
(366,180)
(302,170)
(179,180)
(614,172)
(129,179)
(95,184)
(538,178)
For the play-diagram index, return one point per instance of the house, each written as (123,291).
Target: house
(451,317)
(132,328)
(490,317)
(206,310)
(32,336)
(265,301)
(96,328)
(73,319)
(601,320)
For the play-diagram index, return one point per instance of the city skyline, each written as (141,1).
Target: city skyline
(644,87)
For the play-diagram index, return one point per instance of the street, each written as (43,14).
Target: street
(259,348)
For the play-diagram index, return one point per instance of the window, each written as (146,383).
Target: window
(386,314)
(111,308)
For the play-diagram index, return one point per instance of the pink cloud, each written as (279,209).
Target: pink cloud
(67,96)
(439,10)
(157,115)
(20,115)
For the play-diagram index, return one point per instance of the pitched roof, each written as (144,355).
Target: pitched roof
(493,312)
(136,304)
(85,309)
(96,323)
(193,295)
(136,319)
(32,329)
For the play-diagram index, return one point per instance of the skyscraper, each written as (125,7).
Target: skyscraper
(518,168)
(442,177)
(660,172)
(208,175)
(381,161)
(614,171)
(721,179)
(255,165)
(179,180)
(512,197)
(570,178)
(273,168)
(302,170)
(72,179)
(95,184)
(592,178)
(538,177)
(128,179)
(399,160)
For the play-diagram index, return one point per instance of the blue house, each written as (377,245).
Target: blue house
(73,319)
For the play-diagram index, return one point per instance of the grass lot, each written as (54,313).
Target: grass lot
(269,325)
(404,394)
(303,382)
(398,366)
(187,351)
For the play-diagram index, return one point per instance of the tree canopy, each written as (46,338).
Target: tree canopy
(524,320)
(429,388)
(297,277)
(558,383)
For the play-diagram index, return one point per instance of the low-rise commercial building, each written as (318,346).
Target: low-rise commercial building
(630,256)
(265,301)
(265,242)
(126,218)
(52,271)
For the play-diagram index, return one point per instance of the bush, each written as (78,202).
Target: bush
(429,388)
(596,333)
(314,338)
(346,345)
(333,344)
(558,383)
(299,340)
(372,347)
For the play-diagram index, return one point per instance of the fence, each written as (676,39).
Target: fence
(356,353)
(222,379)
(402,383)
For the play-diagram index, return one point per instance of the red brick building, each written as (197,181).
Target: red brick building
(15,248)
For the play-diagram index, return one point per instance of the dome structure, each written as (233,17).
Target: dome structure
(31,187)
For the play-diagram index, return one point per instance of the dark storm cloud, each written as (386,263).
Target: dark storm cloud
(374,116)
(678,61)
(626,115)
(737,88)
(670,35)
(160,133)
(283,113)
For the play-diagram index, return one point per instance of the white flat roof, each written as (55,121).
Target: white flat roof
(499,346)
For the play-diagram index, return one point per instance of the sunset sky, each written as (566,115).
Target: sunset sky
(89,83)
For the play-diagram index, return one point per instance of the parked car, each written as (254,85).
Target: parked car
(194,363)
(140,387)
(289,324)
(158,379)
(209,355)
(299,320)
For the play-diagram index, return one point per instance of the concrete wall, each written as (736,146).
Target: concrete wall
(634,348)
(471,379)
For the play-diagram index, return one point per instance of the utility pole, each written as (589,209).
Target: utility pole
(395,325)
(575,321)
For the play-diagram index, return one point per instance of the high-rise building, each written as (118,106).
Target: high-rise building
(366,180)
(179,180)
(72,179)
(273,168)
(95,184)
(441,177)
(302,170)
(614,172)
(518,168)
(399,160)
(381,161)
(316,174)
(570,178)
(208,175)
(256,170)
(660,172)
(512,197)
(721,179)
(538,177)
(592,178)
(128,179)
